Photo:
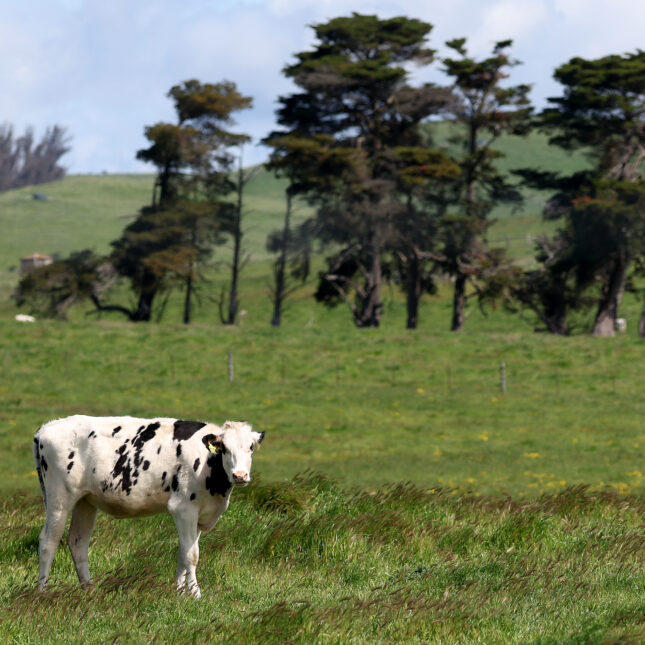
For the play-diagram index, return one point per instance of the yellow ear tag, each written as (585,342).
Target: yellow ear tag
(212,448)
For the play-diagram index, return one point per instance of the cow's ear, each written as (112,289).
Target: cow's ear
(258,437)
(213,443)
(227,425)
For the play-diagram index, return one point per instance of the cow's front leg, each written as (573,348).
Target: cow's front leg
(188,555)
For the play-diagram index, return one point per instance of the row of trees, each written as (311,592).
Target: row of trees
(25,162)
(355,142)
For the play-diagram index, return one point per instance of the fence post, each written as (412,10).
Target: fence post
(230,366)
(502,377)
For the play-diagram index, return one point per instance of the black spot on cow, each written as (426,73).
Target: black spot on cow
(93,470)
(143,436)
(39,467)
(178,450)
(116,430)
(163,476)
(186,429)
(71,455)
(126,467)
(192,496)
(41,446)
(167,489)
(69,466)
(175,482)
(159,449)
(92,434)
(43,463)
(179,468)
(217,481)
(123,469)
(146,465)
(196,464)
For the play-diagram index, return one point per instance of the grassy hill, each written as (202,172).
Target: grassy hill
(89,211)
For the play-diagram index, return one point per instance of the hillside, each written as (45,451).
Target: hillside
(88,211)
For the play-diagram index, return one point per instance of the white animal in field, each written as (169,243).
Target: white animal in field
(25,318)
(620,325)
(130,467)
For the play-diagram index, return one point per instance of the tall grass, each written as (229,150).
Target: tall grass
(308,562)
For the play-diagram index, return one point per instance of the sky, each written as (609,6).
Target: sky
(102,68)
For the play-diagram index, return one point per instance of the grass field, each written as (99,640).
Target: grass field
(441,511)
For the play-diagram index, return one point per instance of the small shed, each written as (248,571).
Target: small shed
(30,262)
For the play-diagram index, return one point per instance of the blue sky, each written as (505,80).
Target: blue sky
(102,68)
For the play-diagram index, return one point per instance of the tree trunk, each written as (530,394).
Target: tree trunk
(605,323)
(281,264)
(233,304)
(143,312)
(458,304)
(368,313)
(641,324)
(558,323)
(189,289)
(413,291)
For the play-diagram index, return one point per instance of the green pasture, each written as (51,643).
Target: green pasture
(365,407)
(399,496)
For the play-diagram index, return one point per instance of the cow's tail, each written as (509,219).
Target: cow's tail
(39,469)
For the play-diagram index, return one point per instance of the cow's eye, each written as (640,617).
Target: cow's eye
(252,447)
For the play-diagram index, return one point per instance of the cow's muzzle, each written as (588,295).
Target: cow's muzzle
(241,478)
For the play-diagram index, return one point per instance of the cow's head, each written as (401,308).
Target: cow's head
(236,443)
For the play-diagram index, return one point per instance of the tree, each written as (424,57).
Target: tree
(483,110)
(238,261)
(294,249)
(602,111)
(25,163)
(355,106)
(52,289)
(193,162)
(426,185)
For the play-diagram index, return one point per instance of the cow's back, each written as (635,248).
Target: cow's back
(125,466)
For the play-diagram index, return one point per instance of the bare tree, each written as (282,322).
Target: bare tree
(25,163)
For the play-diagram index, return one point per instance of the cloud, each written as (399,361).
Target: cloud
(103,69)
(507,19)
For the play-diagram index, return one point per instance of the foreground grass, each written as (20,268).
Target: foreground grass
(305,561)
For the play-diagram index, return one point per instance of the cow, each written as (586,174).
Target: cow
(129,467)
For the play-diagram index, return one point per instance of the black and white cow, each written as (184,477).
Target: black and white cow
(131,467)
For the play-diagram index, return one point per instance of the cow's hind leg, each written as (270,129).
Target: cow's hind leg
(58,508)
(78,538)
(188,554)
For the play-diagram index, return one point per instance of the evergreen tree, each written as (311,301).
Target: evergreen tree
(601,111)
(355,106)
(189,212)
(483,109)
